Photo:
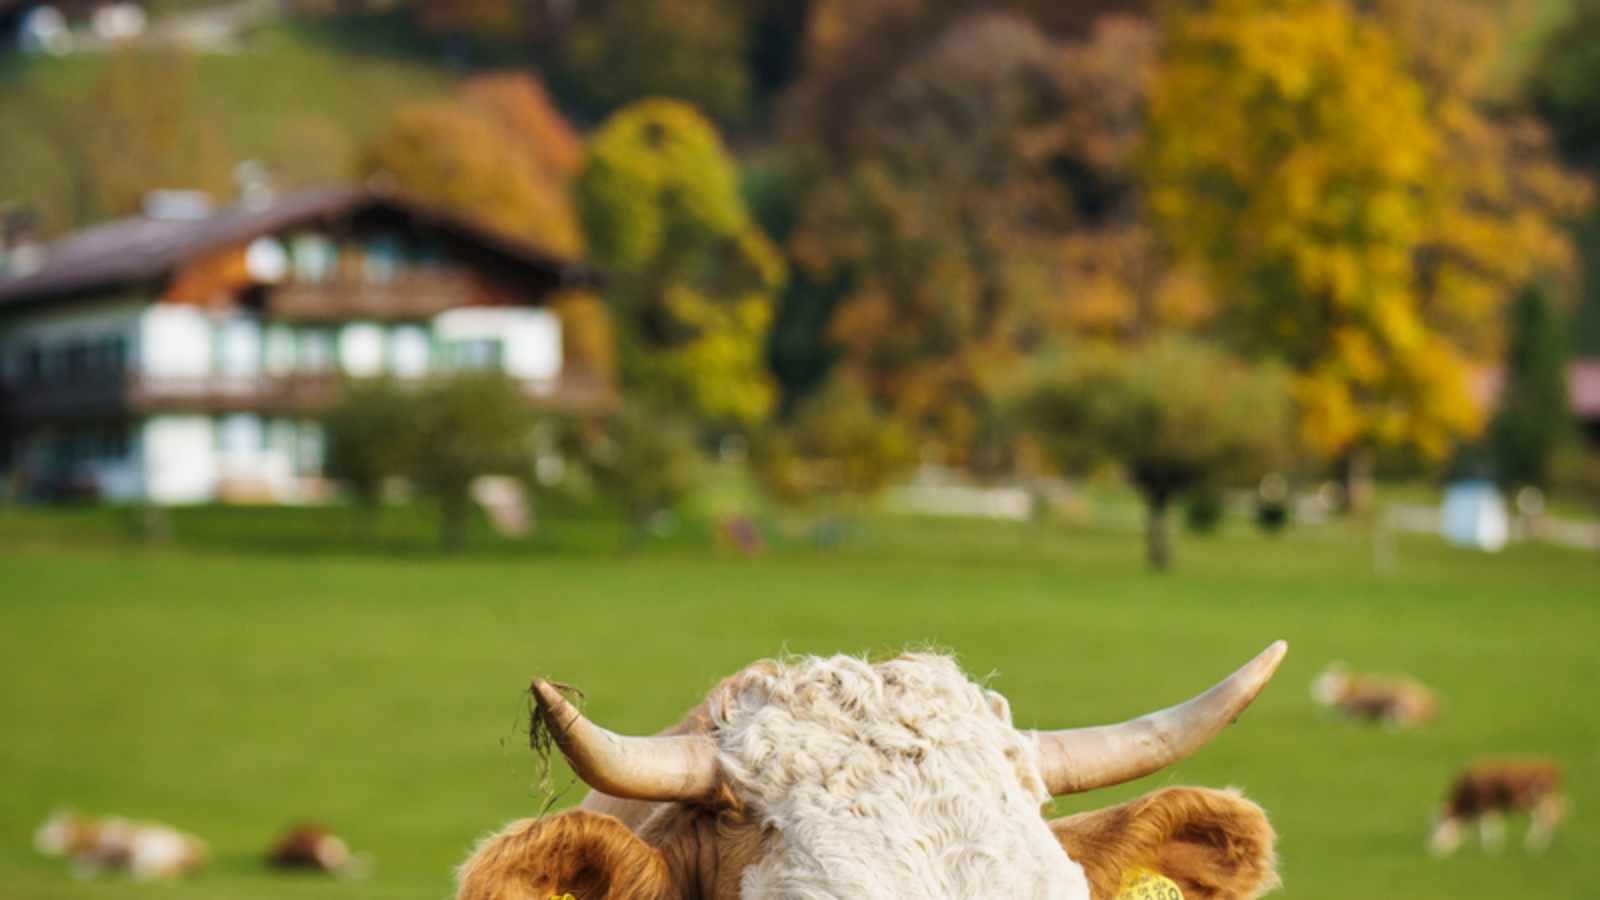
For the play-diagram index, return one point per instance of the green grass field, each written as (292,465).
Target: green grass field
(233,691)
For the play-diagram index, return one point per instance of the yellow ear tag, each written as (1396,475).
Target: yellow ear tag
(562,897)
(1144,884)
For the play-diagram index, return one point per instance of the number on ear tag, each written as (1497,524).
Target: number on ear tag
(1144,884)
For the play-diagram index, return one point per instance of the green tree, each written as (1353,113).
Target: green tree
(1177,415)
(465,426)
(440,435)
(1533,417)
(693,279)
(1563,82)
(836,443)
(647,460)
(370,437)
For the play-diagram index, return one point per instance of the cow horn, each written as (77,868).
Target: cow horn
(1081,759)
(660,768)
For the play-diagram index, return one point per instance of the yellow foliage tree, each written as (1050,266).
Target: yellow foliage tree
(1364,219)
(693,278)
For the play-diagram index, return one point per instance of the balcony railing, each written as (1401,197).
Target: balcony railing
(410,295)
(290,394)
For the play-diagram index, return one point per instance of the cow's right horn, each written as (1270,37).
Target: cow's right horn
(1081,759)
(661,768)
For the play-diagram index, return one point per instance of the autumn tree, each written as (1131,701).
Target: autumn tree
(692,277)
(989,205)
(498,152)
(464,426)
(851,49)
(836,443)
(692,50)
(1177,415)
(1339,180)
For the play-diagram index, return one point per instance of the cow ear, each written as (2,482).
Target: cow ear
(587,855)
(1215,845)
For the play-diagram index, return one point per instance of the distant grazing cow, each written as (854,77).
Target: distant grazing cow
(1396,702)
(143,850)
(835,777)
(314,848)
(1490,790)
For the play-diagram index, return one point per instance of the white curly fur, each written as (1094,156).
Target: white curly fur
(901,780)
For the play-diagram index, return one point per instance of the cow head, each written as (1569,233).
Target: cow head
(816,779)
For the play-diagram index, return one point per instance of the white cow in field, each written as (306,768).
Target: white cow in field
(834,778)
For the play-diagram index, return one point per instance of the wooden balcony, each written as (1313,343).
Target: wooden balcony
(417,294)
(297,394)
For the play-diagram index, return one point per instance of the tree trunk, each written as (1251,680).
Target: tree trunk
(1158,549)
(1355,481)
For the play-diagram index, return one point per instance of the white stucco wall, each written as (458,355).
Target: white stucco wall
(175,342)
(361,349)
(180,458)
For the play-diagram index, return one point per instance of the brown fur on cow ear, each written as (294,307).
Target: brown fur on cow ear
(1215,845)
(585,854)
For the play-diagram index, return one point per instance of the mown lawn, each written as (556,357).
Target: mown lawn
(233,691)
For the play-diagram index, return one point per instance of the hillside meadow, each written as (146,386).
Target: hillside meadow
(261,668)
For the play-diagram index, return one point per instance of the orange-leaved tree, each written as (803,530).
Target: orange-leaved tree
(498,151)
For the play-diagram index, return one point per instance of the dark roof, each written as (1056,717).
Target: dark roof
(139,249)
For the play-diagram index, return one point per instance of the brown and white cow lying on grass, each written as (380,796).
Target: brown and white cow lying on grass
(1392,701)
(825,779)
(143,850)
(316,849)
(1488,791)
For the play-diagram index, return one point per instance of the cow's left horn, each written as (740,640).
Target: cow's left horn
(1081,759)
(660,768)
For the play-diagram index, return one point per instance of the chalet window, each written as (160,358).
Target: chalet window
(279,350)
(117,354)
(308,449)
(476,354)
(75,360)
(409,350)
(427,254)
(239,347)
(281,438)
(241,434)
(316,350)
(113,444)
(381,263)
(30,367)
(313,257)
